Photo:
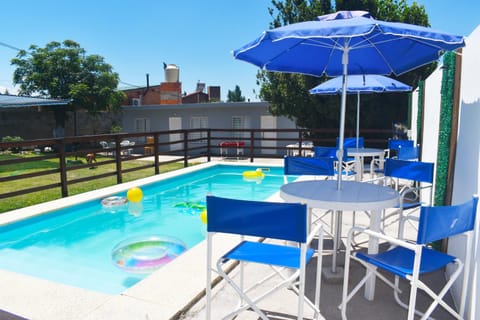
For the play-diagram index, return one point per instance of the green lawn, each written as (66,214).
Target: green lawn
(55,193)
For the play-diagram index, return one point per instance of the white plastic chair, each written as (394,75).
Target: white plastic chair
(126,143)
(105,146)
(407,260)
(281,221)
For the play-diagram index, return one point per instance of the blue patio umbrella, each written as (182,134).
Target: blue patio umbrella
(369,83)
(347,42)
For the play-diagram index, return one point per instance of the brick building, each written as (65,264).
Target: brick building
(170,91)
(165,93)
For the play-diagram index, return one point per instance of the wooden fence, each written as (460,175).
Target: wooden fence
(185,145)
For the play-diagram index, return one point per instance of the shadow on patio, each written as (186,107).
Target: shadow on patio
(282,305)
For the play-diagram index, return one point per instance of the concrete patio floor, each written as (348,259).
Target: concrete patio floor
(282,305)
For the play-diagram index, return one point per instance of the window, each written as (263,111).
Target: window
(142,125)
(240,122)
(200,122)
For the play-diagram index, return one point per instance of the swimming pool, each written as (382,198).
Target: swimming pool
(73,245)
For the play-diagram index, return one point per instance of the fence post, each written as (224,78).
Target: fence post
(209,145)
(63,167)
(251,144)
(300,141)
(156,161)
(185,148)
(118,158)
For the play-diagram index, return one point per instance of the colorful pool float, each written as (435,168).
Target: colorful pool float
(146,254)
(191,207)
(256,175)
(114,201)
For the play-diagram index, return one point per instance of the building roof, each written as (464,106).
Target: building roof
(11,101)
(200,106)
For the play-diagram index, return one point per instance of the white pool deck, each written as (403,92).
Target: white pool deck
(173,292)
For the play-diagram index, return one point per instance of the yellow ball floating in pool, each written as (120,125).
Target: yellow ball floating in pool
(135,194)
(203,216)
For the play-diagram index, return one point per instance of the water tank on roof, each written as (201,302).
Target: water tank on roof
(172,73)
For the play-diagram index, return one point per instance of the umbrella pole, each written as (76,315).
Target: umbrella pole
(358,117)
(342,119)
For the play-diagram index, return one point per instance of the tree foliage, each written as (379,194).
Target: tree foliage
(288,93)
(65,71)
(235,95)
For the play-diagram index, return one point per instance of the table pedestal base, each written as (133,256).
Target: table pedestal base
(332,277)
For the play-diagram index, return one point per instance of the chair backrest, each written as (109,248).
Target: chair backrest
(328,152)
(408,153)
(351,142)
(441,222)
(394,144)
(320,166)
(278,220)
(410,170)
(324,152)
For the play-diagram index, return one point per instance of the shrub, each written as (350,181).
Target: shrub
(115,129)
(13,139)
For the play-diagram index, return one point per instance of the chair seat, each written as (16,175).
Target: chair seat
(411,205)
(267,253)
(399,260)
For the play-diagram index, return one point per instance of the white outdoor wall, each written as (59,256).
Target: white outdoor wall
(431,124)
(431,120)
(414,117)
(467,164)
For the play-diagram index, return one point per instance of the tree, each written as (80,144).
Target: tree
(288,93)
(65,71)
(236,95)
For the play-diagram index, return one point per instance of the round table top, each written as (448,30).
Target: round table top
(353,195)
(364,152)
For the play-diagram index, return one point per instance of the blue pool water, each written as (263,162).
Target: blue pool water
(74,245)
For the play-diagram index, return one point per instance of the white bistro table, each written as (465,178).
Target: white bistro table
(359,154)
(353,196)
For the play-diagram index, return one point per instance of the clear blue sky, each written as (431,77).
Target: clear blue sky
(137,36)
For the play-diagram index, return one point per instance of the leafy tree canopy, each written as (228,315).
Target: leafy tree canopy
(235,95)
(288,93)
(65,71)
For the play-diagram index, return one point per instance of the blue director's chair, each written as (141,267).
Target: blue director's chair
(273,221)
(407,260)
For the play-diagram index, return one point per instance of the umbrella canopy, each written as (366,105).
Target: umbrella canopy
(369,83)
(364,83)
(347,42)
